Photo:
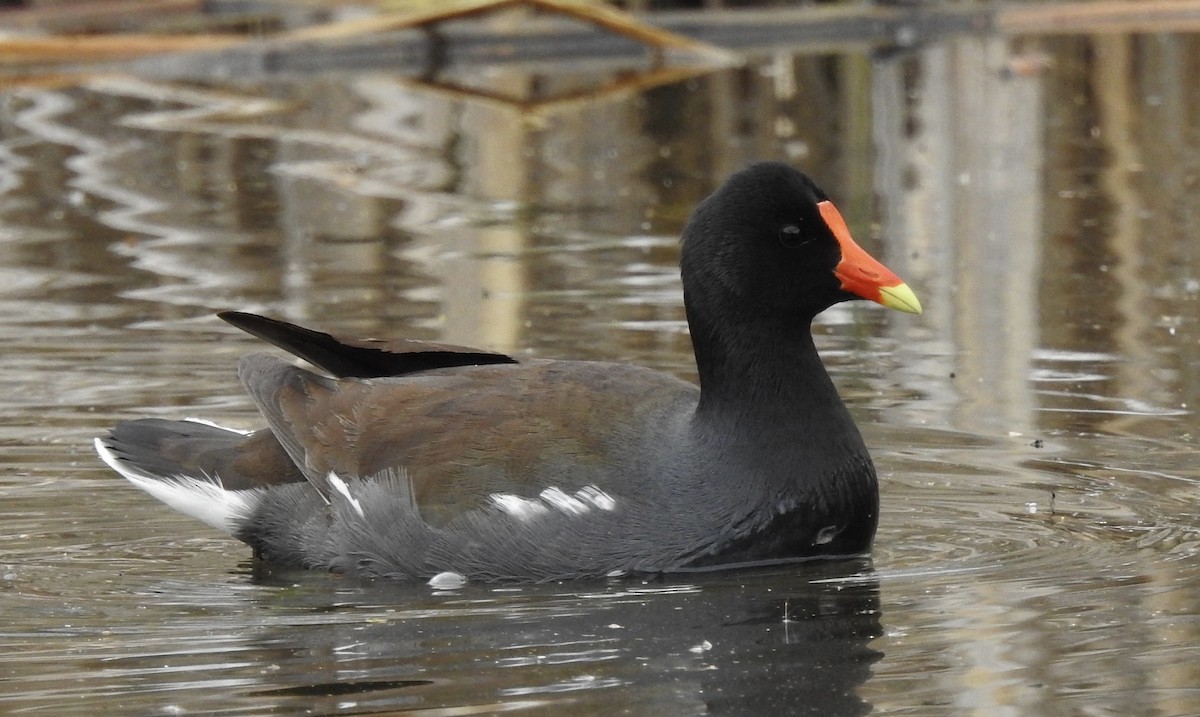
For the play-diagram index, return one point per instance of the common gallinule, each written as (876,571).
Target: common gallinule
(418,458)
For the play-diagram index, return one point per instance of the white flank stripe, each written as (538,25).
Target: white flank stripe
(518,507)
(596,497)
(565,503)
(204,500)
(211,424)
(581,503)
(340,486)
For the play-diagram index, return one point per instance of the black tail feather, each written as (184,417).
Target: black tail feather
(359,358)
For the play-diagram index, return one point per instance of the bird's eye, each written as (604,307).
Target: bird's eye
(792,236)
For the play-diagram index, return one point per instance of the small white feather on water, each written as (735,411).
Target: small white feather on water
(447,581)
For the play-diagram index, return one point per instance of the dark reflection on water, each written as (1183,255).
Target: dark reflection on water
(1035,429)
(756,644)
(763,643)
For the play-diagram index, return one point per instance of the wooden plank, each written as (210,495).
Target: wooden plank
(103,48)
(1099,16)
(339,46)
(427,13)
(98,15)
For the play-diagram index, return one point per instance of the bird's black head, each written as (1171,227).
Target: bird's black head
(769,243)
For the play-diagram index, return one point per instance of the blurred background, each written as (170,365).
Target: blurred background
(516,178)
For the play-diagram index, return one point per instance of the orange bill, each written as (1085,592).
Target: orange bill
(861,274)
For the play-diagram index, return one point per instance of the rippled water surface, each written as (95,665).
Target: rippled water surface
(1035,429)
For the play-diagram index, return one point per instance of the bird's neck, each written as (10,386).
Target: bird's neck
(766,375)
(771,423)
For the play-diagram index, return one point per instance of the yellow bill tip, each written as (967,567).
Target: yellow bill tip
(900,298)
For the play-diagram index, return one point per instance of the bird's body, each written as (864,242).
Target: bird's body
(416,459)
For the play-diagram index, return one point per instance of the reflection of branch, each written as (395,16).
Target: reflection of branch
(423,14)
(48,81)
(103,48)
(29,53)
(97,16)
(625,84)
(756,31)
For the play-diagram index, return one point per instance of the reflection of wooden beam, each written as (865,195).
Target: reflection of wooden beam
(1115,97)
(1099,16)
(103,48)
(99,15)
(429,13)
(753,31)
(628,83)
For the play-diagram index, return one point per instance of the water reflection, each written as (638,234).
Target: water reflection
(752,645)
(1035,429)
